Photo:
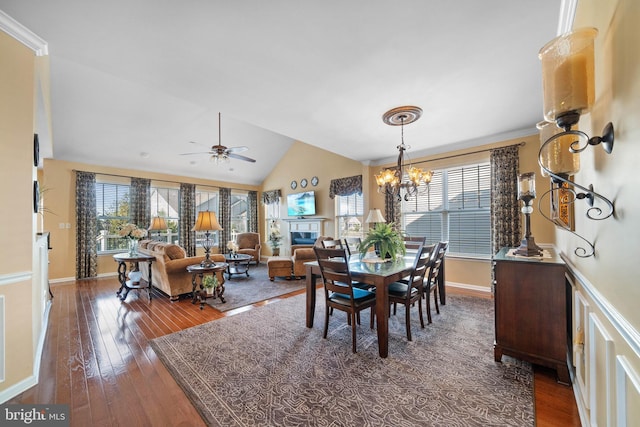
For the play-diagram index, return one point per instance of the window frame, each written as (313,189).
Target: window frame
(448,209)
(343,220)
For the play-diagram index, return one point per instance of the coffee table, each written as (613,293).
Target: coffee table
(237,264)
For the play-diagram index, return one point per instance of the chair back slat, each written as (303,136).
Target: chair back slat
(334,268)
(420,266)
(351,244)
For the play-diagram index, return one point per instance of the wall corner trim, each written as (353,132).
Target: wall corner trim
(23,35)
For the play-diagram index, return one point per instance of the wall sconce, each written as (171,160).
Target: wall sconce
(526,193)
(568,88)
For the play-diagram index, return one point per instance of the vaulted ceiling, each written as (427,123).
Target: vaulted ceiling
(137,83)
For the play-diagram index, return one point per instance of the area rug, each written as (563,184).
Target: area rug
(265,368)
(241,290)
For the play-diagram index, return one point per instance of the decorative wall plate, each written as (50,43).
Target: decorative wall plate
(294,185)
(314,181)
(303,183)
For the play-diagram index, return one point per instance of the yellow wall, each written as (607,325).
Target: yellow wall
(607,286)
(306,161)
(17,224)
(59,180)
(615,175)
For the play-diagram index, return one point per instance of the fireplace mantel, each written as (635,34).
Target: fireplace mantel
(311,225)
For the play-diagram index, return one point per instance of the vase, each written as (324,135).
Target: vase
(135,276)
(133,247)
(275,251)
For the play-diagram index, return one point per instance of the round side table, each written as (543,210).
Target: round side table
(197,273)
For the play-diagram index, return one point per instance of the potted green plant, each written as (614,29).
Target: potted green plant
(274,238)
(209,283)
(387,242)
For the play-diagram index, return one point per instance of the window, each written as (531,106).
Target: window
(112,209)
(349,216)
(207,200)
(239,207)
(456,206)
(165,203)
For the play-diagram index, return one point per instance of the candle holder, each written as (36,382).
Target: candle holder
(568,88)
(526,193)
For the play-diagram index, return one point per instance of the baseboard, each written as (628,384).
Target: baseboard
(73,279)
(465,286)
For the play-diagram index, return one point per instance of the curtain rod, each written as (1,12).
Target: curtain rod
(520,144)
(160,180)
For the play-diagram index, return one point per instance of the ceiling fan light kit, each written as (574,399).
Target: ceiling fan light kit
(221,154)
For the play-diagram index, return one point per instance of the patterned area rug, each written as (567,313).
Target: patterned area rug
(265,368)
(241,290)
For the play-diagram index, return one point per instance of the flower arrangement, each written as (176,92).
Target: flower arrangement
(232,246)
(132,231)
(274,235)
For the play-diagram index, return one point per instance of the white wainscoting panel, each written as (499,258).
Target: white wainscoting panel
(601,373)
(627,394)
(580,355)
(2,341)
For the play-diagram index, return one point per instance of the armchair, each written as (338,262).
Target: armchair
(249,244)
(304,253)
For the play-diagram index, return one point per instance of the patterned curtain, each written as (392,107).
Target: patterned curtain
(188,218)
(271,197)
(252,212)
(505,213)
(140,202)
(345,186)
(392,210)
(224,218)
(87,223)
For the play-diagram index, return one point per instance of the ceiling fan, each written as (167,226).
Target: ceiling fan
(219,153)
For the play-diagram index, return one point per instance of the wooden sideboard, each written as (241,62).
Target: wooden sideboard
(532,310)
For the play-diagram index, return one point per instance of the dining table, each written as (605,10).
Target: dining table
(376,273)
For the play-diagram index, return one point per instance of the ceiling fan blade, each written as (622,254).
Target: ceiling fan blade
(199,152)
(239,149)
(239,157)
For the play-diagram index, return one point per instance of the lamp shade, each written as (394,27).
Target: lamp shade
(206,221)
(568,73)
(158,223)
(375,216)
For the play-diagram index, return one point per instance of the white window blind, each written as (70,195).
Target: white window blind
(455,207)
(349,215)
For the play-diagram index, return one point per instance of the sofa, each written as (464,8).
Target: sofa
(169,270)
(249,244)
(304,253)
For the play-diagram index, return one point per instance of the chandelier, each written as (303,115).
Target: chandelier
(393,180)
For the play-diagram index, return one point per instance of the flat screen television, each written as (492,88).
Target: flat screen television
(301,204)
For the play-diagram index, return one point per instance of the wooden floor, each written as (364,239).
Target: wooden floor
(98,360)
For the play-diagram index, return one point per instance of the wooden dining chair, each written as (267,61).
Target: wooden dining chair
(332,244)
(410,291)
(351,244)
(416,239)
(339,292)
(431,281)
